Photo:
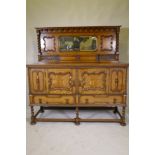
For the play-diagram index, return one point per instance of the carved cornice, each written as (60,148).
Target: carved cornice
(78,29)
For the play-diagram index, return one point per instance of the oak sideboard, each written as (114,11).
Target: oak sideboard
(78,68)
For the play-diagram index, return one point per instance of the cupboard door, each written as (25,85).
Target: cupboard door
(117,80)
(61,81)
(93,81)
(37,81)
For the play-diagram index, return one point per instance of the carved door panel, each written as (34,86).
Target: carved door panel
(61,81)
(93,81)
(37,81)
(117,80)
(108,42)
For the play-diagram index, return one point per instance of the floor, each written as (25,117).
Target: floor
(69,139)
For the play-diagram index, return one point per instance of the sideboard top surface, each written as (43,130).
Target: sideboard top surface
(78,64)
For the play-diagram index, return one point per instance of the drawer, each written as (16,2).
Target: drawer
(52,99)
(78,58)
(101,99)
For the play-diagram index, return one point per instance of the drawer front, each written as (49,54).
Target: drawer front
(93,81)
(37,81)
(78,58)
(52,99)
(61,81)
(101,100)
(117,81)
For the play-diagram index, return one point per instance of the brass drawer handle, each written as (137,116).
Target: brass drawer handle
(86,101)
(40,100)
(67,101)
(115,100)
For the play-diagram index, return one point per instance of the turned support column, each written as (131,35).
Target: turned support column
(115,110)
(41,109)
(33,121)
(77,119)
(123,123)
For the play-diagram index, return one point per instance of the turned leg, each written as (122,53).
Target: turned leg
(123,117)
(41,109)
(77,119)
(115,110)
(33,121)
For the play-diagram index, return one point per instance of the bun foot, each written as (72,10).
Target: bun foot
(33,123)
(123,124)
(77,121)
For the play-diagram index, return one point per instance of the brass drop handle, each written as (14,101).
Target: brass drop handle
(67,101)
(115,100)
(40,100)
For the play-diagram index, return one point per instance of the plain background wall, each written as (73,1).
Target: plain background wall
(42,13)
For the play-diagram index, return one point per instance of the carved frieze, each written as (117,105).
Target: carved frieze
(78,29)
